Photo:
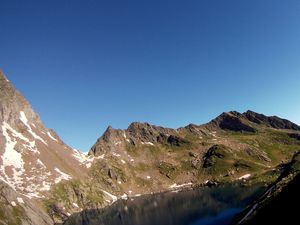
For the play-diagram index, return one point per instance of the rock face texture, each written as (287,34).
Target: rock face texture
(16,208)
(146,134)
(233,121)
(32,157)
(272,121)
(136,134)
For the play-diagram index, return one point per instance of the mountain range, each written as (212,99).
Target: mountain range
(44,181)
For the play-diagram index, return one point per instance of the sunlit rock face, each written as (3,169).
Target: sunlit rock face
(32,157)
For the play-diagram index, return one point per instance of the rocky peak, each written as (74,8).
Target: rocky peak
(109,133)
(109,141)
(12,103)
(136,134)
(142,131)
(233,121)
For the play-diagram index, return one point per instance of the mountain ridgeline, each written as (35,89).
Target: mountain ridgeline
(144,133)
(44,181)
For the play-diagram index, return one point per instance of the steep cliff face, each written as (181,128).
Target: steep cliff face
(32,157)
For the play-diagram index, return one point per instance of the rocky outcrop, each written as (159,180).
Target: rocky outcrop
(109,141)
(257,154)
(145,132)
(176,141)
(18,209)
(214,153)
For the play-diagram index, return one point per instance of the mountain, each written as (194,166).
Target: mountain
(234,147)
(146,158)
(32,157)
(44,181)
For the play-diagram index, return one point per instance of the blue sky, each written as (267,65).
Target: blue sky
(86,64)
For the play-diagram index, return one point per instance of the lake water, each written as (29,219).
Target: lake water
(202,206)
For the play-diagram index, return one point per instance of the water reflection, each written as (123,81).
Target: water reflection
(203,206)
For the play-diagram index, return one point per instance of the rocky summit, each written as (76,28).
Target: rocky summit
(44,181)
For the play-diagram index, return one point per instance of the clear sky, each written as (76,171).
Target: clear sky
(85,64)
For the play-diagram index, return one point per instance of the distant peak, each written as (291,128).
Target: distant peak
(272,121)
(138,125)
(232,120)
(109,130)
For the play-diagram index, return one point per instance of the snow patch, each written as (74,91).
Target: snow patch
(63,176)
(13,204)
(75,205)
(176,186)
(40,163)
(116,154)
(100,157)
(24,119)
(53,138)
(123,161)
(46,186)
(148,177)
(20,200)
(124,196)
(30,145)
(12,158)
(147,143)
(113,197)
(118,143)
(246,176)
(84,158)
